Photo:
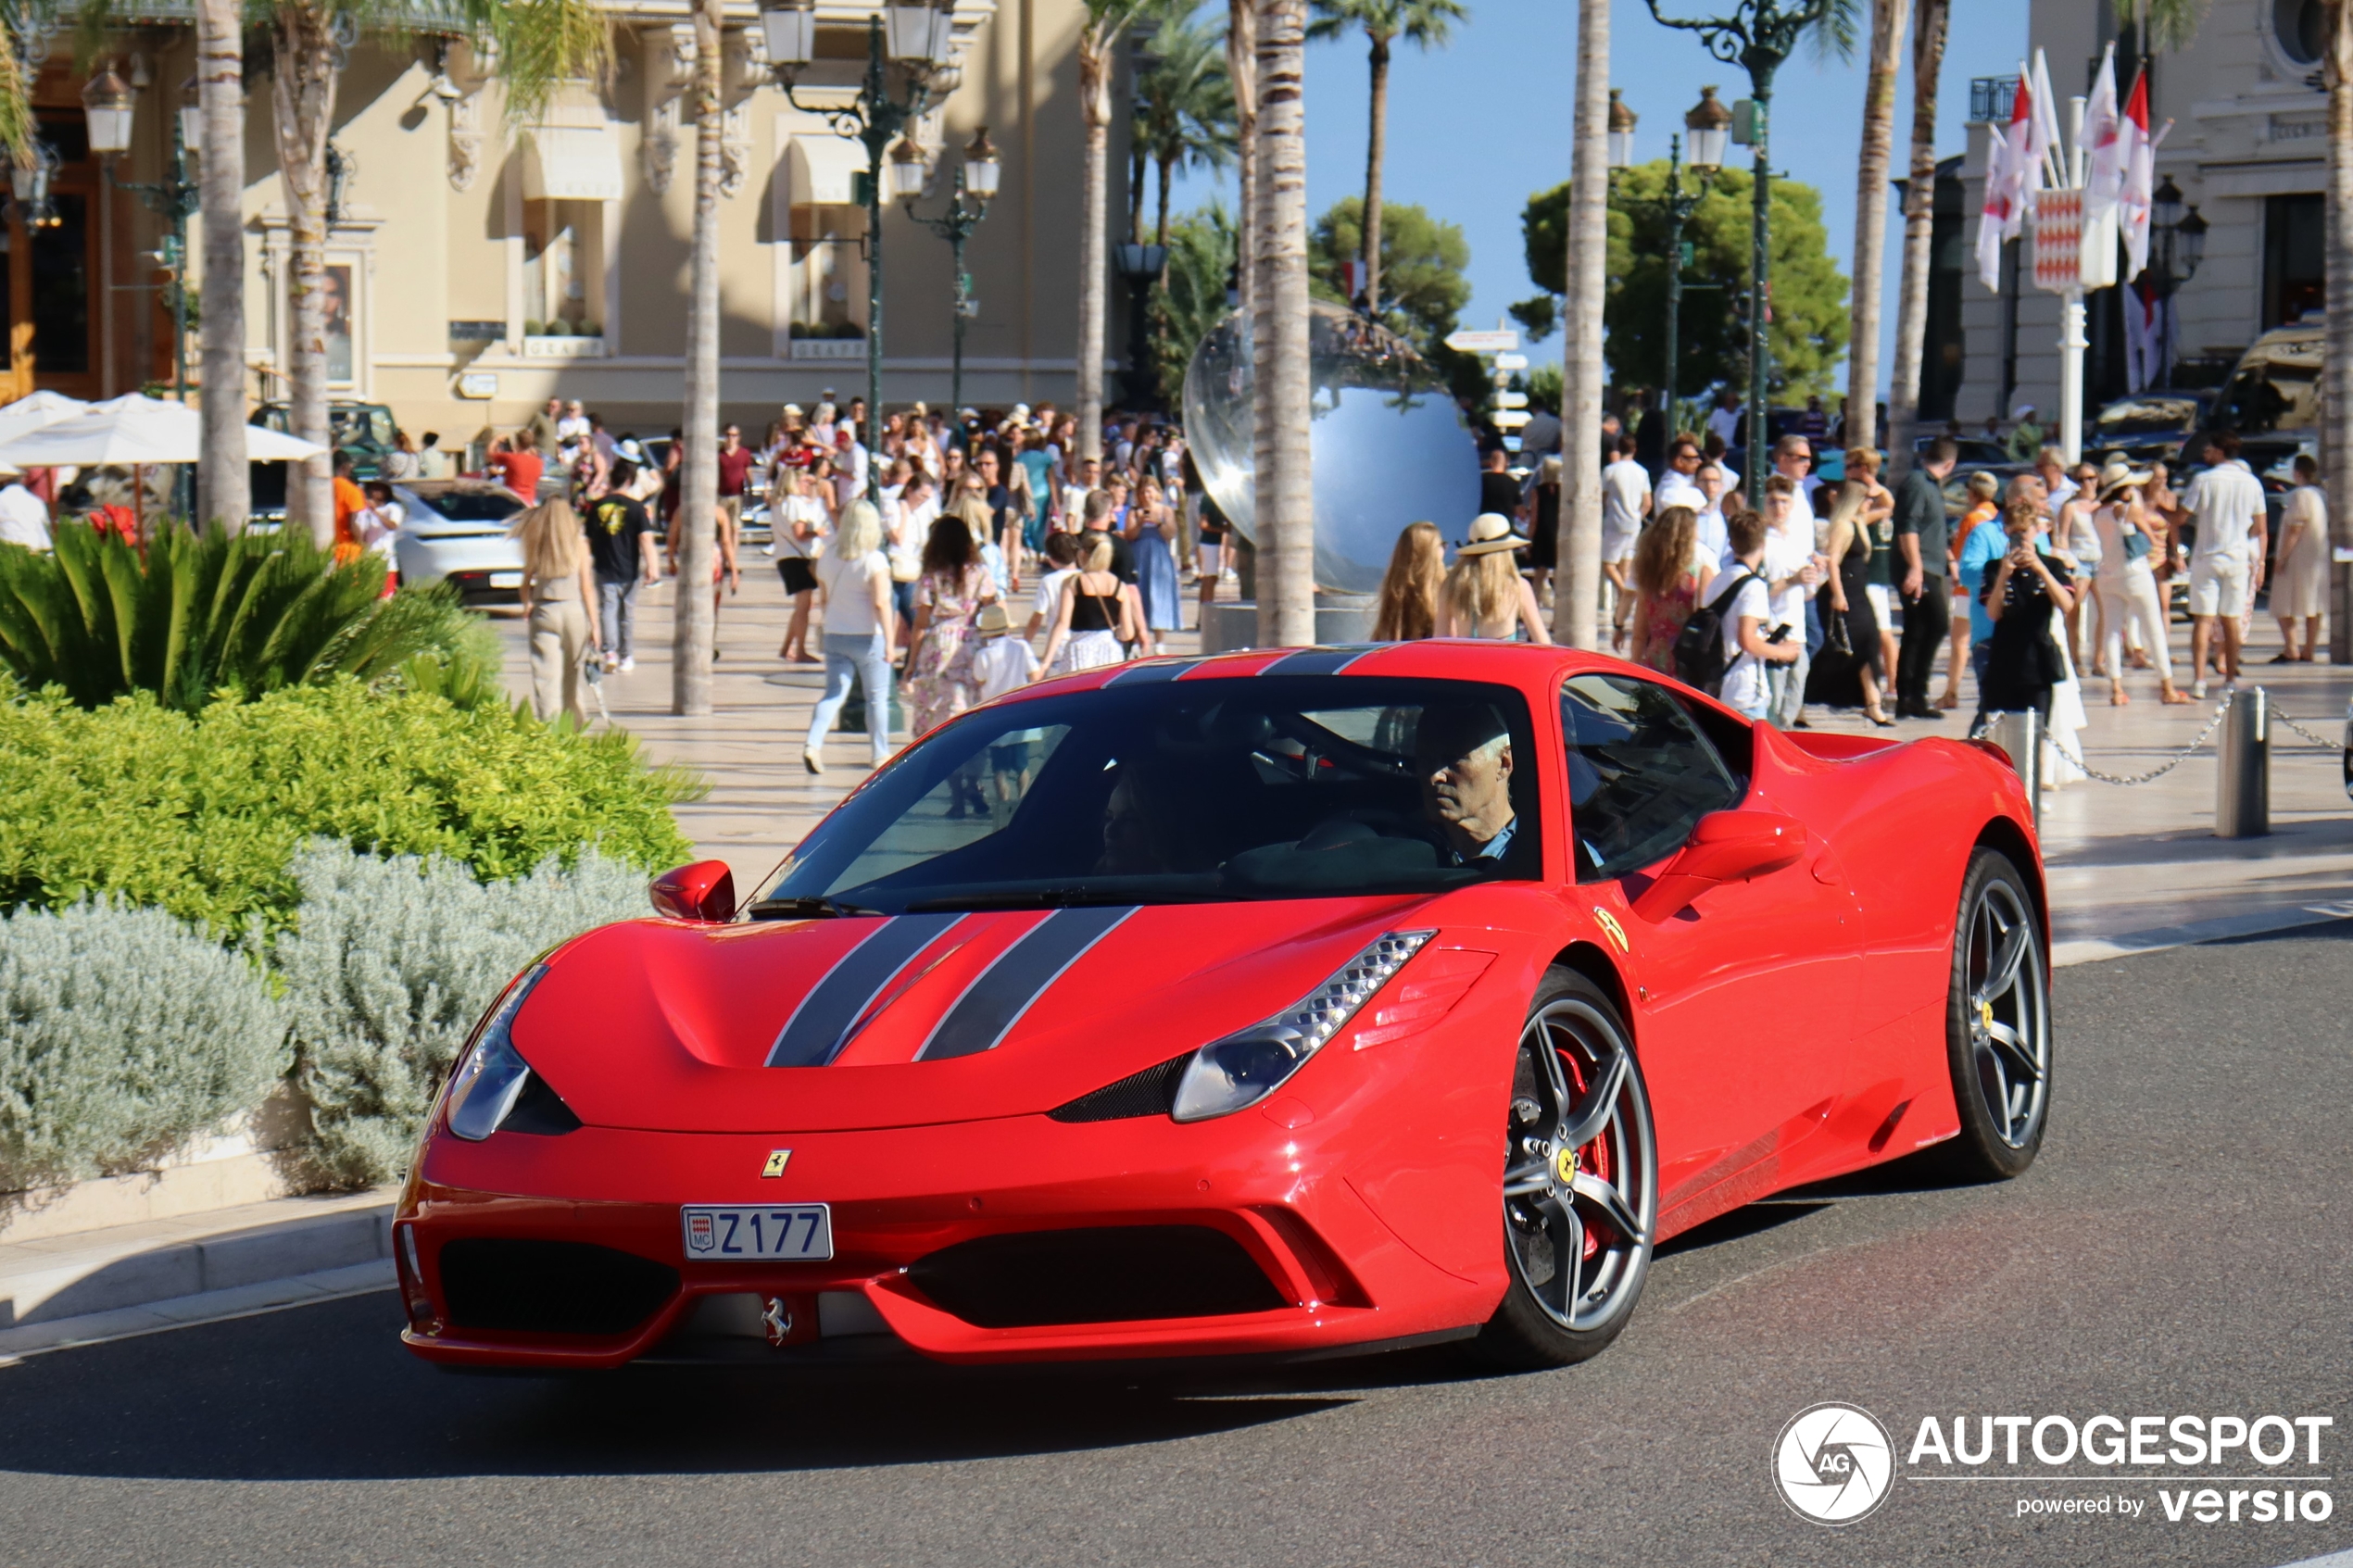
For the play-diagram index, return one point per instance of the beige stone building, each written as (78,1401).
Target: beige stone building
(477,268)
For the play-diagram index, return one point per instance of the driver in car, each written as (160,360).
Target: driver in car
(1463,756)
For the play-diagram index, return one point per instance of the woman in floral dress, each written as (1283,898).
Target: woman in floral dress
(955,585)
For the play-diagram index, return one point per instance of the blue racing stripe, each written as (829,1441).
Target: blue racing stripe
(1320,661)
(990,1006)
(1152,670)
(814,1030)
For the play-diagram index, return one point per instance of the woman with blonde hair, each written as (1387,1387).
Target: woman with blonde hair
(560,598)
(1093,614)
(1484,596)
(1850,622)
(855,575)
(1409,589)
(1672,571)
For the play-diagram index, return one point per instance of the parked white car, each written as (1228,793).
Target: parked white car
(455,530)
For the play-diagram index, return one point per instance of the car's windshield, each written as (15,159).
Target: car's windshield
(2143,416)
(1164,791)
(2276,388)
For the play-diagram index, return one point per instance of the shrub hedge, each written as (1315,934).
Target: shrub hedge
(392,962)
(202,814)
(123,1034)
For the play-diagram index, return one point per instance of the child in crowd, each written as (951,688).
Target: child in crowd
(1004,663)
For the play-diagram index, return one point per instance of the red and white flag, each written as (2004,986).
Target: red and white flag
(2139,187)
(2013,172)
(2104,143)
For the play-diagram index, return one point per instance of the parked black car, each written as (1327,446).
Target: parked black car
(362,431)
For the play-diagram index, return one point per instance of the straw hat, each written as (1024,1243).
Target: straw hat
(2121,475)
(992,619)
(1491,532)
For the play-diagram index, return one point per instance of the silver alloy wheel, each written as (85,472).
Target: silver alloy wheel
(2010,1019)
(1581,1167)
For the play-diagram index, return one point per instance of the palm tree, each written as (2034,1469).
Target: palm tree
(1578,598)
(1929,27)
(222,477)
(1186,113)
(693,612)
(1241,69)
(1106,20)
(1284,495)
(1870,219)
(1424,23)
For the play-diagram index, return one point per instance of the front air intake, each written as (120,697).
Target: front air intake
(1113,1273)
(522,1286)
(1149,1093)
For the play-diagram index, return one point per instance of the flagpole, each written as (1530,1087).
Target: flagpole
(2072,339)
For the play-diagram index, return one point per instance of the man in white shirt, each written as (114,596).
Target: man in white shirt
(1789,578)
(23,519)
(2050,466)
(1679,486)
(1090,474)
(1714,542)
(1750,659)
(2227,501)
(1625,501)
(1724,419)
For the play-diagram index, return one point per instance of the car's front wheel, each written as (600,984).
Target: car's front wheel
(1998,1024)
(1581,1181)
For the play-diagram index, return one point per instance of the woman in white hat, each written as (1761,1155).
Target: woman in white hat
(2131,542)
(1484,596)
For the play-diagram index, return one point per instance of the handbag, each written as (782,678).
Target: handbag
(1835,636)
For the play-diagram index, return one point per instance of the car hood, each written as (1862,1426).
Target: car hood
(878,1021)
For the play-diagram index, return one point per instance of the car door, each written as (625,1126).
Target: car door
(1742,1034)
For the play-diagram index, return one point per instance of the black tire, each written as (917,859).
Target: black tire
(1607,1199)
(1997,1035)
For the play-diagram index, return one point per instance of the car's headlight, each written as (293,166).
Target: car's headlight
(1245,1067)
(492,1075)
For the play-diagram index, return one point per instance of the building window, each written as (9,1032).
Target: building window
(2301,29)
(2293,279)
(828,293)
(563,285)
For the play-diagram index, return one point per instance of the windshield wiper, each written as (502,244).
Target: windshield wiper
(806,908)
(1018,898)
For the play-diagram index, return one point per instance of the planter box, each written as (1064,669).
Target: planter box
(805,348)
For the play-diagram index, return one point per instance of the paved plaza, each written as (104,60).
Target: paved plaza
(2129,867)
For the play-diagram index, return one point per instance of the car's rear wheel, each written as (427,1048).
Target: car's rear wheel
(1581,1181)
(1998,1024)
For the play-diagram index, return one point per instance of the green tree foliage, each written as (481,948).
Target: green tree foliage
(210,614)
(202,814)
(1422,260)
(1185,111)
(1809,296)
(1191,297)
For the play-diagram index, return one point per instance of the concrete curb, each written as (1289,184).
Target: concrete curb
(212,1306)
(2262,922)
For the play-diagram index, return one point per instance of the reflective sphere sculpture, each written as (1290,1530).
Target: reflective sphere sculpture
(1389,445)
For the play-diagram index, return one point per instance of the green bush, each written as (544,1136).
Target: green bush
(208,614)
(392,964)
(122,1034)
(202,814)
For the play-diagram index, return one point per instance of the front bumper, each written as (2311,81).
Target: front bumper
(1277,1187)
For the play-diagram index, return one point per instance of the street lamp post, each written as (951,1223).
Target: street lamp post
(1708,124)
(975,183)
(1139,265)
(1758,37)
(2177,243)
(920,38)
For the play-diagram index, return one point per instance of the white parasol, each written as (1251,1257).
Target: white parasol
(132,432)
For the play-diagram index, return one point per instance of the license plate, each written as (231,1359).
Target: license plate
(506,578)
(793,1233)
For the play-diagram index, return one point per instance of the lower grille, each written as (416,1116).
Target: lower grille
(550,1287)
(1119,1273)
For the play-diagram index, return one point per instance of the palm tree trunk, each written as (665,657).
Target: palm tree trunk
(1284,499)
(698,480)
(2336,413)
(1870,219)
(223,486)
(1136,155)
(1168,180)
(1241,68)
(1376,149)
(1576,600)
(1920,230)
(302,98)
(1094,220)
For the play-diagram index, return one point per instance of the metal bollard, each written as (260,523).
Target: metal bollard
(2021,734)
(2243,768)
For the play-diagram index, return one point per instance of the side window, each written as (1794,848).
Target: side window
(1640,773)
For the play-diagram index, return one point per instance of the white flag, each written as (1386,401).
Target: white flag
(2007,181)
(2139,188)
(2106,153)
(2043,132)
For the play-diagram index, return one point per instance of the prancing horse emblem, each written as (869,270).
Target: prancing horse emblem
(1610,928)
(775,1166)
(776,1318)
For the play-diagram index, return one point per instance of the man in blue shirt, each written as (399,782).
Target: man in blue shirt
(1986,544)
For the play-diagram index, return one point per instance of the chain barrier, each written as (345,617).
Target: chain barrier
(2178,758)
(2322,741)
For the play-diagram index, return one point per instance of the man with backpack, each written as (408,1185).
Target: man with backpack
(1725,645)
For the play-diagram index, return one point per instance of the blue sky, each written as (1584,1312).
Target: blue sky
(1476,128)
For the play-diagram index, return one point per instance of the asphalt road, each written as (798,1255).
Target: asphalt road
(2185,1245)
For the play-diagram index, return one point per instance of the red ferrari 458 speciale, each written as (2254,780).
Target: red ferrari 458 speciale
(1280,1003)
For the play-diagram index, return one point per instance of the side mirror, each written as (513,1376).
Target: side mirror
(1724,846)
(704,891)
